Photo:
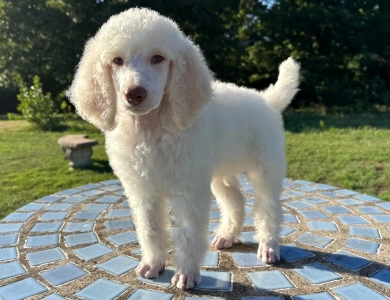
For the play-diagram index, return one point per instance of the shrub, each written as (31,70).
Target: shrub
(37,107)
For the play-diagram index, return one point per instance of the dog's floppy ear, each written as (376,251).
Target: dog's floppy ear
(92,91)
(189,85)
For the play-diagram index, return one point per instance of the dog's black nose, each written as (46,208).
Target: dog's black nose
(136,95)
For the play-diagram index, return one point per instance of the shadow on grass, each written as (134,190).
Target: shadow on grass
(305,120)
(99,166)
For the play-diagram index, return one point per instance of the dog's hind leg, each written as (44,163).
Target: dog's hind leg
(267,182)
(231,203)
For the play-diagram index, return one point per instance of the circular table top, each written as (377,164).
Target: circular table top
(81,243)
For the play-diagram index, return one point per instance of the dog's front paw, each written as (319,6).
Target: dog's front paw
(268,251)
(220,242)
(186,281)
(149,270)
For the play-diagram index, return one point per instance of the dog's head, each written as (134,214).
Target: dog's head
(137,59)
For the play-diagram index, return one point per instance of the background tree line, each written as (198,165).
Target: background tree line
(342,45)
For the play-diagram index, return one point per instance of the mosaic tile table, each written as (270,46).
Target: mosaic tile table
(81,244)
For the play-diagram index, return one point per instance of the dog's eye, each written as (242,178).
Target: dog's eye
(118,61)
(156,59)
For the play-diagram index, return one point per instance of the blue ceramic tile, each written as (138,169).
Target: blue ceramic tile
(92,193)
(350,202)
(245,259)
(110,182)
(33,206)
(163,279)
(201,298)
(285,231)
(247,237)
(291,252)
(381,218)
(108,199)
(248,189)
(87,215)
(346,192)
(79,226)
(324,187)
(81,238)
(306,188)
(316,273)
(362,245)
(210,237)
(299,205)
(137,251)
(248,221)
(367,198)
(8,253)
(75,199)
(315,200)
(89,186)
(54,297)
(385,205)
(118,213)
(50,198)
(43,240)
(337,210)
(124,204)
(96,207)
(11,269)
(8,239)
(329,194)
(93,251)
(314,240)
(45,256)
(53,216)
(381,277)
(313,214)
(16,216)
(348,260)
(358,291)
(63,274)
(102,289)
(288,218)
(326,226)
(361,231)
(8,228)
(220,281)
(60,206)
(22,289)
(211,259)
(284,197)
(248,210)
(69,192)
(123,238)
(352,220)
(141,294)
(215,214)
(293,193)
(270,280)
(47,227)
(119,265)
(249,201)
(370,210)
(319,296)
(213,226)
(302,182)
(119,224)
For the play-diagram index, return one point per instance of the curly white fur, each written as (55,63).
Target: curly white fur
(188,132)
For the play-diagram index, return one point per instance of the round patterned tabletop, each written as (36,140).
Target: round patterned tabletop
(81,244)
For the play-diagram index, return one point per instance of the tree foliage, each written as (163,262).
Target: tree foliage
(342,45)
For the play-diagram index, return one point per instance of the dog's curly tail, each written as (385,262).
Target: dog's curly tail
(278,96)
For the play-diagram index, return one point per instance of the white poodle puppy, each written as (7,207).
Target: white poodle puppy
(174,133)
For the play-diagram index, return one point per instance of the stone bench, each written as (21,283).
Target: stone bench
(77,148)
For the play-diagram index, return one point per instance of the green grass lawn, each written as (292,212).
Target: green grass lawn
(346,150)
